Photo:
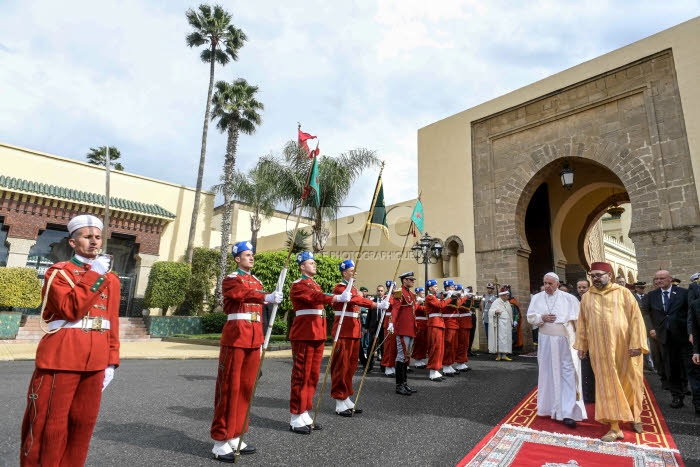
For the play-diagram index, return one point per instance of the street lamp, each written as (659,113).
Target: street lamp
(567,177)
(427,251)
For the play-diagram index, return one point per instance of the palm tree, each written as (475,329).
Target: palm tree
(336,177)
(236,108)
(300,241)
(213,28)
(98,156)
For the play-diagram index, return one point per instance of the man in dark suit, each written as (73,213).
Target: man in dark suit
(694,321)
(371,325)
(668,310)
(694,288)
(650,361)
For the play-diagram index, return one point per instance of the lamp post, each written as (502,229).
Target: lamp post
(427,251)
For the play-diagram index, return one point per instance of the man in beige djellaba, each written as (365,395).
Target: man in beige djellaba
(501,322)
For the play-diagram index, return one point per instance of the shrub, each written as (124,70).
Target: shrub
(205,272)
(213,323)
(19,288)
(167,285)
(279,327)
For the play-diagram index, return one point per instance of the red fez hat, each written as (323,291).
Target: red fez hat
(504,290)
(601,267)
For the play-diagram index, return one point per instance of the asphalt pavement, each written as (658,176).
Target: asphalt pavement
(158,412)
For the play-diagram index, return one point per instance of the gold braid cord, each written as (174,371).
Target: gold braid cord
(42,322)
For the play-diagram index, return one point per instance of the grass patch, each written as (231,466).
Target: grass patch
(217,336)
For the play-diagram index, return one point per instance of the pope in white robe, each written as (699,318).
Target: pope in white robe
(501,326)
(559,393)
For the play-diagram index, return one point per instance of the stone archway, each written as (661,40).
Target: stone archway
(628,123)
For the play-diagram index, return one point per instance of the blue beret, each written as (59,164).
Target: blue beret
(448,283)
(389,284)
(420,289)
(303,256)
(347,264)
(458,287)
(240,247)
(431,283)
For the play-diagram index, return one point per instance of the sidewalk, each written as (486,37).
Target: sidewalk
(148,350)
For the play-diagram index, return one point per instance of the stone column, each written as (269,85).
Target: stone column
(145,263)
(676,250)
(19,251)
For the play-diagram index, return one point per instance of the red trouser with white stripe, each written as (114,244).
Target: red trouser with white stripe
(420,344)
(389,352)
(436,348)
(306,356)
(343,367)
(463,336)
(234,387)
(62,408)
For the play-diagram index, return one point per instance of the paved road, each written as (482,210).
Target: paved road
(158,412)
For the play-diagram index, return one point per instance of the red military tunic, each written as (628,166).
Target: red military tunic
(307,335)
(436,331)
(450,315)
(404,317)
(389,351)
(239,356)
(70,364)
(344,363)
(420,345)
(463,334)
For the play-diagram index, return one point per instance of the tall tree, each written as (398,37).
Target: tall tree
(211,27)
(237,111)
(337,175)
(98,156)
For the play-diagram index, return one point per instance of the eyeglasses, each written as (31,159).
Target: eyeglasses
(410,278)
(598,276)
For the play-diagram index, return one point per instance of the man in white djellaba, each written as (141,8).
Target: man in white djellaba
(559,380)
(501,322)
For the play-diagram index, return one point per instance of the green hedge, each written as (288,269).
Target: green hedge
(213,323)
(19,288)
(167,285)
(205,272)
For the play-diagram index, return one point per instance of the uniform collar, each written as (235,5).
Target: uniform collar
(241,271)
(80,260)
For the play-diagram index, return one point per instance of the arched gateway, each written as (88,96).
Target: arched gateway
(623,133)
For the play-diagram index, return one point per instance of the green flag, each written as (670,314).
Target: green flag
(379,211)
(417,216)
(313,184)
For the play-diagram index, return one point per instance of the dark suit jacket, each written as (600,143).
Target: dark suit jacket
(373,316)
(644,308)
(694,320)
(677,314)
(693,292)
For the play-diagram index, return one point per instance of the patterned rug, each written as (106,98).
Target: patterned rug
(525,439)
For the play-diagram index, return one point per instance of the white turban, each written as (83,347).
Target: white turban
(551,274)
(84,220)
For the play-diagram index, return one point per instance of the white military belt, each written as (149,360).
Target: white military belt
(421,318)
(435,315)
(462,315)
(308,312)
(347,314)
(95,323)
(387,314)
(252,317)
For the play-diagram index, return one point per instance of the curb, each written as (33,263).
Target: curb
(182,340)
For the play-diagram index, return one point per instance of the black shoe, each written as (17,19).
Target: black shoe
(449,375)
(315,427)
(471,354)
(677,403)
(687,392)
(400,389)
(356,410)
(345,413)
(697,409)
(570,422)
(410,389)
(409,369)
(229,458)
(248,450)
(302,430)
(437,380)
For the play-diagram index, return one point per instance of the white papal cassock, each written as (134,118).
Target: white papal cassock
(559,382)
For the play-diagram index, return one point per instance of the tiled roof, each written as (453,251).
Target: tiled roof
(58,192)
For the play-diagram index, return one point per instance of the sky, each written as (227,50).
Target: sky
(369,74)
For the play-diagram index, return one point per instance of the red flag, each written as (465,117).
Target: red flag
(303,137)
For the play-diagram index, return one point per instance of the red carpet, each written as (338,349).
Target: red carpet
(524,439)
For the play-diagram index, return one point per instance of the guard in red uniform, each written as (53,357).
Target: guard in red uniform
(450,317)
(463,333)
(420,344)
(307,335)
(436,331)
(344,362)
(403,325)
(75,360)
(389,349)
(239,355)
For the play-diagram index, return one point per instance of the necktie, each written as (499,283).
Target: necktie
(666,301)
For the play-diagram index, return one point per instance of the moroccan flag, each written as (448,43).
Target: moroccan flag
(313,184)
(417,216)
(303,137)
(379,211)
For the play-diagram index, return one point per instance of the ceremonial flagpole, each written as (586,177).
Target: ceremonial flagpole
(381,319)
(348,287)
(268,333)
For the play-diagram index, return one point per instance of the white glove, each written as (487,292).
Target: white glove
(101,264)
(109,376)
(420,299)
(515,324)
(346,296)
(390,328)
(383,305)
(274,297)
(448,293)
